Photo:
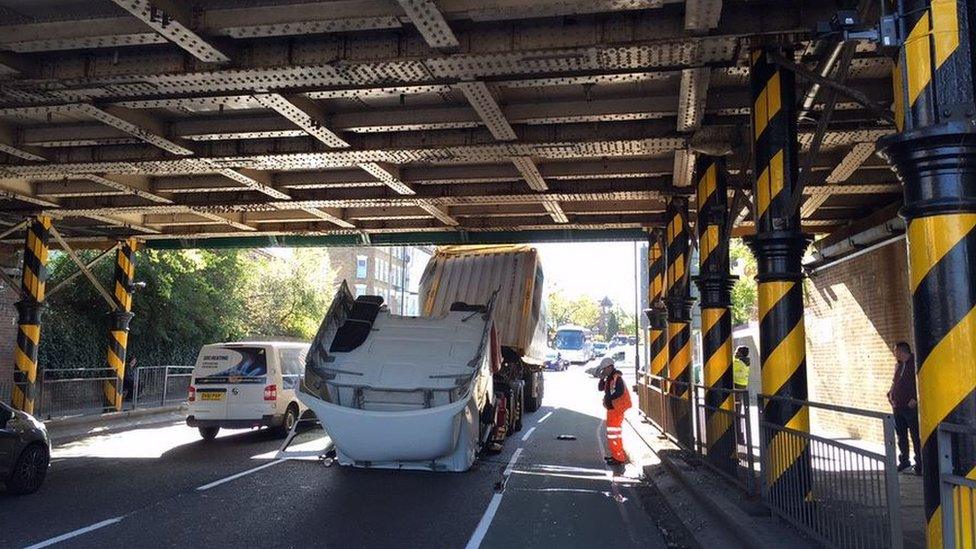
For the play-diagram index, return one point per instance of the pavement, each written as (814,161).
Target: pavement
(160,485)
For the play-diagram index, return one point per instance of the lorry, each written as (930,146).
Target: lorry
(433,392)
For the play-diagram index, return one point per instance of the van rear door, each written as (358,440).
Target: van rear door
(236,377)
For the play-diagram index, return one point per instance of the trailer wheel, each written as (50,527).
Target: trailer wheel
(518,406)
(534,388)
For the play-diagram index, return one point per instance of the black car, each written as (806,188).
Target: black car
(25,451)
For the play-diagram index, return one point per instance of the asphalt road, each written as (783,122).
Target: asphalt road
(163,486)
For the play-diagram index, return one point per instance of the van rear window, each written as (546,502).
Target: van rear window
(232,365)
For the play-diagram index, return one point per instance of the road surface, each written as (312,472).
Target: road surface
(163,486)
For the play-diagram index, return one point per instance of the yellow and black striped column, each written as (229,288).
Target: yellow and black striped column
(118,338)
(657,313)
(679,304)
(715,287)
(935,159)
(27,375)
(778,246)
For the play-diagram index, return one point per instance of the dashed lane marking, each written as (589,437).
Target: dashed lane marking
(238,475)
(527,434)
(543,418)
(76,533)
(479,533)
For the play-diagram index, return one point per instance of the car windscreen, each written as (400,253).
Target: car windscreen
(231,365)
(571,340)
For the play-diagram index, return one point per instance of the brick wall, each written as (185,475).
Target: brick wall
(8,337)
(856,312)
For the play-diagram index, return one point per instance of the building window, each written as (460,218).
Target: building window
(360,289)
(361,263)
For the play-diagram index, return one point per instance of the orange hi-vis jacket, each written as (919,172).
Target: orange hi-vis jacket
(616,396)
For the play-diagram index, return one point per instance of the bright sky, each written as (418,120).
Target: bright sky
(595,269)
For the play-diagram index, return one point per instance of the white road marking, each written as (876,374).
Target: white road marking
(543,418)
(239,475)
(479,533)
(511,462)
(527,434)
(76,533)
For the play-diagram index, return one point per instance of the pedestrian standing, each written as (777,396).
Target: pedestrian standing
(903,397)
(616,400)
(740,380)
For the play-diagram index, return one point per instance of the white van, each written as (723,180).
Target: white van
(246,384)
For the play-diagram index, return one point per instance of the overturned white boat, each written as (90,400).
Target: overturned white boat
(402,392)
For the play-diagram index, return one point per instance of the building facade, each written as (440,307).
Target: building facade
(391,272)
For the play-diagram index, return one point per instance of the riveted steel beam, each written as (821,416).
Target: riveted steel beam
(684,167)
(174,21)
(304,114)
(135,123)
(440,213)
(253,179)
(526,166)
(484,103)
(9,144)
(702,15)
(429,20)
(389,175)
(692,94)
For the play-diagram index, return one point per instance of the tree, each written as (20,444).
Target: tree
(744,293)
(192,297)
(613,325)
(580,310)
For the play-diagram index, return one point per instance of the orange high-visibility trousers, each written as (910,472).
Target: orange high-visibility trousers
(615,435)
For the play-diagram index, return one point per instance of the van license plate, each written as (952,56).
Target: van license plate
(211,396)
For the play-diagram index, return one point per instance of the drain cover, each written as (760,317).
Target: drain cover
(566,437)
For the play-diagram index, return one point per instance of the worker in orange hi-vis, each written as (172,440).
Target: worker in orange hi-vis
(616,399)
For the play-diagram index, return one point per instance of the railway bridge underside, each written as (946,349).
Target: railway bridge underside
(159,123)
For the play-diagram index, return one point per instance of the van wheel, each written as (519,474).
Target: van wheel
(291,418)
(209,433)
(29,471)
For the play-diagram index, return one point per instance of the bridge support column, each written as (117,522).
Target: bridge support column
(118,338)
(679,304)
(657,314)
(778,246)
(27,375)
(715,287)
(935,159)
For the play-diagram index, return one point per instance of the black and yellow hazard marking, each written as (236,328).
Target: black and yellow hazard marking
(657,265)
(714,284)
(942,268)
(679,319)
(935,102)
(119,332)
(933,64)
(33,281)
(775,142)
(782,348)
(778,246)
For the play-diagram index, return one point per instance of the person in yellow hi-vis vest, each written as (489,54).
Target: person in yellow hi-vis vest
(740,380)
(740,368)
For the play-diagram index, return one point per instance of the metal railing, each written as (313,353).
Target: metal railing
(723,435)
(659,400)
(160,385)
(81,391)
(838,493)
(73,391)
(957,492)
